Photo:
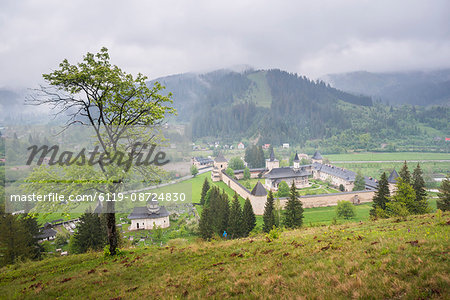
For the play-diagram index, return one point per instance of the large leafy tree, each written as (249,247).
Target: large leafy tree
(269,213)
(443,203)
(248,217)
(98,94)
(293,212)
(381,196)
(283,189)
(236,163)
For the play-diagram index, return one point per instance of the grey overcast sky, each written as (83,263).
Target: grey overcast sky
(160,38)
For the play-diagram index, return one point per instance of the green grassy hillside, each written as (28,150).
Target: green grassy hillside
(381,259)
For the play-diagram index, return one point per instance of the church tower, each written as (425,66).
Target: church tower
(272,162)
(296,162)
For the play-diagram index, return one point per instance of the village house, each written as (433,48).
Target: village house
(149,217)
(202,162)
(241,146)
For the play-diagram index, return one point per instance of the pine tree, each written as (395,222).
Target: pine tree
(418,184)
(205,224)
(14,239)
(293,214)
(360,184)
(248,218)
(224,213)
(90,234)
(32,229)
(205,190)
(235,218)
(269,213)
(443,203)
(405,174)
(403,199)
(381,196)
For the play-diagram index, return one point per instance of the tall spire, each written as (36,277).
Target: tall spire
(272,156)
(296,157)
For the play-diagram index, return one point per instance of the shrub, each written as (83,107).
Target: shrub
(345,209)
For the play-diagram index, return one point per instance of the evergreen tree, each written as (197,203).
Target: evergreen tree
(260,159)
(248,218)
(360,184)
(443,203)
(17,238)
(90,234)
(418,184)
(235,218)
(224,213)
(205,190)
(293,214)
(248,157)
(381,196)
(205,224)
(402,200)
(269,213)
(32,229)
(405,174)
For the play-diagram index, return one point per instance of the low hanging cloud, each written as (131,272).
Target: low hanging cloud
(159,38)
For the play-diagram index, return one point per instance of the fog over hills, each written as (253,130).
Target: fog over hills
(415,87)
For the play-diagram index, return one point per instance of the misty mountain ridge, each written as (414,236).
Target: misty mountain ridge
(274,106)
(413,87)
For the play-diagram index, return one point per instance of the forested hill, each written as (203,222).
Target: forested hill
(418,88)
(273,106)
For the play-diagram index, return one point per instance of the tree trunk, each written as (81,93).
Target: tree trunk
(111,227)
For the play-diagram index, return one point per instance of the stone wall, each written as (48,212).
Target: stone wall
(356,197)
(258,202)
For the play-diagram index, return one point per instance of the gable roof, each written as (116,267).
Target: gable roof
(335,171)
(393,177)
(286,172)
(46,233)
(317,155)
(203,160)
(220,158)
(259,190)
(142,212)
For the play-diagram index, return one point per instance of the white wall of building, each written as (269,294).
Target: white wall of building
(137,224)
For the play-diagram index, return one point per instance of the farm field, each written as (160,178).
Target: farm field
(375,169)
(394,156)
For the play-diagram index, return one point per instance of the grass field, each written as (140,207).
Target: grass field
(375,169)
(385,259)
(377,156)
